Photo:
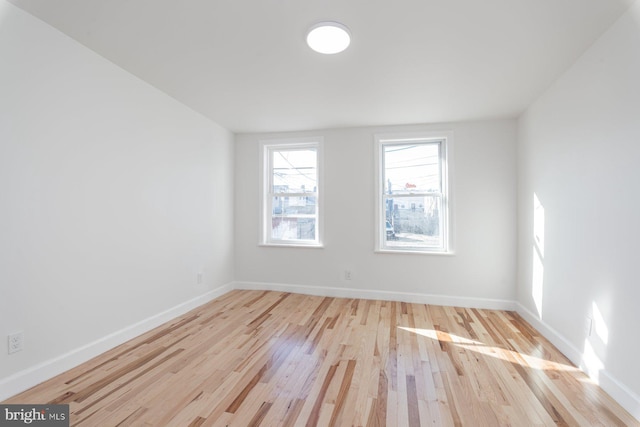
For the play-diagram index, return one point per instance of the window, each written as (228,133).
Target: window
(291,193)
(412,194)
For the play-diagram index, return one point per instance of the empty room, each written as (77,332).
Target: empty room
(331,213)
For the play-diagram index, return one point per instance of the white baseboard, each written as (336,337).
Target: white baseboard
(34,375)
(444,300)
(616,389)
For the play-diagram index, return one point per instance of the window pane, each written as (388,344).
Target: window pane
(294,171)
(286,205)
(288,228)
(412,168)
(413,222)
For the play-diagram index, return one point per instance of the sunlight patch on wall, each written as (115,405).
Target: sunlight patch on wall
(595,344)
(537,282)
(537,279)
(592,364)
(538,224)
(600,326)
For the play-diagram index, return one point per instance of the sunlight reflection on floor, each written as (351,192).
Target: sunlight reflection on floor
(493,351)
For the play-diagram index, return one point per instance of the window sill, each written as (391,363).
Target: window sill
(291,245)
(413,252)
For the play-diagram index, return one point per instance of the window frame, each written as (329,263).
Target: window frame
(445,138)
(266,193)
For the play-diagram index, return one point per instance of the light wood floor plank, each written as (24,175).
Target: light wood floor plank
(265,358)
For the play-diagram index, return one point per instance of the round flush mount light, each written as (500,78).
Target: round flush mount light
(328,37)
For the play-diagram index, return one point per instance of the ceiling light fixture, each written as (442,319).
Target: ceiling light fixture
(328,37)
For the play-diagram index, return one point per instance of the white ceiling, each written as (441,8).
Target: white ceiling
(245,64)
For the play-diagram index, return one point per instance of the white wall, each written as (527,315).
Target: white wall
(483,266)
(579,152)
(112,196)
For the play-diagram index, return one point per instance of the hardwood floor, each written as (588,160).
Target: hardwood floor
(278,359)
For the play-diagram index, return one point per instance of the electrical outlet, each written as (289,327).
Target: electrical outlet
(588,326)
(15,342)
(199,277)
(347,275)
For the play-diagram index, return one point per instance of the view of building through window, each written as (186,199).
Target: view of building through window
(293,194)
(413,195)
